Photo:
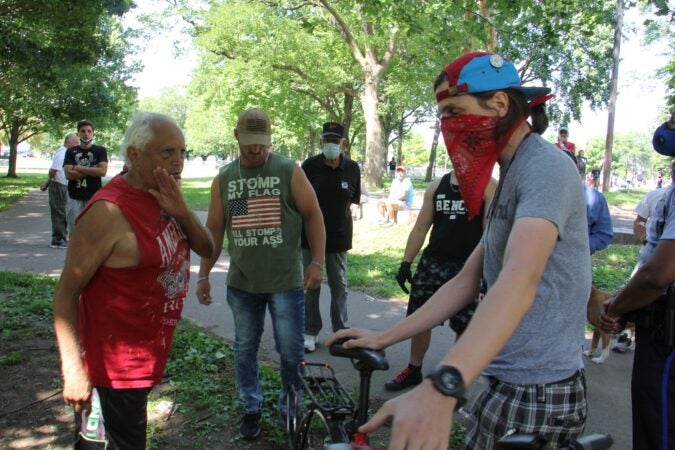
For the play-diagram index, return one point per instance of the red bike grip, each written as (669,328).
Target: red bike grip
(360,439)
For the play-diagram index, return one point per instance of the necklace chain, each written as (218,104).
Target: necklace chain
(257,174)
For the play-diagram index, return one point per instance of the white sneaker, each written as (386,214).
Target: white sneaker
(310,343)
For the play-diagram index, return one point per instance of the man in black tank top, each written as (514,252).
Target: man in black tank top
(453,238)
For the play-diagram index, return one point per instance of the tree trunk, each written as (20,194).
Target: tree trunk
(347,121)
(399,151)
(607,164)
(432,154)
(369,101)
(386,142)
(13,150)
(312,143)
(490,31)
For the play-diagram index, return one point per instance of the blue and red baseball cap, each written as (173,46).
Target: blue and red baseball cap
(482,72)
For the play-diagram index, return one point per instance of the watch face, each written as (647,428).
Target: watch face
(449,380)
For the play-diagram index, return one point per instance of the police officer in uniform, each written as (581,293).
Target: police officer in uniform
(649,300)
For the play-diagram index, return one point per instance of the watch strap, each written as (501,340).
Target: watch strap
(436,382)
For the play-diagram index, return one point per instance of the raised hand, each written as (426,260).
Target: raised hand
(168,194)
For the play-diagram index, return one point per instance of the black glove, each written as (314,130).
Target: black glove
(404,275)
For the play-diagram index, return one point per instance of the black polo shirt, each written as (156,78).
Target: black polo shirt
(335,189)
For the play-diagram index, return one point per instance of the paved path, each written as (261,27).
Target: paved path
(25,235)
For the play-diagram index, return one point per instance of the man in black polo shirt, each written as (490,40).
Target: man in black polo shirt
(336,180)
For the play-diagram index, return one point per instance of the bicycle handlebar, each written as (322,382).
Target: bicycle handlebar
(535,442)
(373,359)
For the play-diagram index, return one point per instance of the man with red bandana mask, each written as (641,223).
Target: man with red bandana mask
(527,332)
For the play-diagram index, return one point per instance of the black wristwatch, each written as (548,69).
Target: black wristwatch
(448,381)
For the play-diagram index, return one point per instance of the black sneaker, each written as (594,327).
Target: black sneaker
(59,244)
(250,426)
(408,377)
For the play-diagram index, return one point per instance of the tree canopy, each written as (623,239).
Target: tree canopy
(372,64)
(59,67)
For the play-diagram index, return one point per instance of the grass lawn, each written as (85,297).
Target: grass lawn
(375,257)
(625,198)
(12,189)
(197,192)
(612,266)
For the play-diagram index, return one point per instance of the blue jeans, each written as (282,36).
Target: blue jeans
(288,320)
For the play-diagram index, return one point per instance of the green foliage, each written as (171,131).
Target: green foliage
(195,358)
(51,76)
(631,153)
(12,189)
(11,358)
(660,29)
(303,62)
(201,373)
(415,150)
(564,44)
(24,299)
(612,267)
(458,436)
(173,101)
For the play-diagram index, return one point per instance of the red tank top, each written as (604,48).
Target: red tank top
(127,316)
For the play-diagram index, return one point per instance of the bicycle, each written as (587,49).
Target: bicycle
(326,413)
(329,418)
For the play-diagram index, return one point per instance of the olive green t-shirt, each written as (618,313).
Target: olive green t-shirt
(263,226)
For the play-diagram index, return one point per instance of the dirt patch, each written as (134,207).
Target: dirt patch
(32,412)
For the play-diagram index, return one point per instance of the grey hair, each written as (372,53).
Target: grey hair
(140,131)
(70,136)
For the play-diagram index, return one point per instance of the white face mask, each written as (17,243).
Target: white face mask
(330,150)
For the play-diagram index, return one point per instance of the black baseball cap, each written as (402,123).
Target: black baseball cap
(333,129)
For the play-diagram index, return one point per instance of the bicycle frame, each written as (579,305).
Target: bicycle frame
(328,400)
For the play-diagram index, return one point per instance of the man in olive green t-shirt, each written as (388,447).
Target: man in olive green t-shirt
(261,200)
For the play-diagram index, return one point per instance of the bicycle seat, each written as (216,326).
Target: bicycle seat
(372,359)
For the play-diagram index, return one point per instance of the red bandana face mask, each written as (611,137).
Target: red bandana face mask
(473,149)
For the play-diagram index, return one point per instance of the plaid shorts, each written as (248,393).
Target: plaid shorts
(430,275)
(556,411)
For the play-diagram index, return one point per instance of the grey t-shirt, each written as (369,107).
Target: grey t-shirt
(663,219)
(543,182)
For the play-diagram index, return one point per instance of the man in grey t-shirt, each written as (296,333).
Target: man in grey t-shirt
(527,332)
(562,293)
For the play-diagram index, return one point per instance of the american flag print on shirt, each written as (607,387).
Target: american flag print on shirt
(255,212)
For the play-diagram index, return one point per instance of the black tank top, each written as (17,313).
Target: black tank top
(453,237)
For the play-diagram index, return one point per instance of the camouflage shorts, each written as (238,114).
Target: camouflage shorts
(430,275)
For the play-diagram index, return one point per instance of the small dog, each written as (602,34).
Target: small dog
(595,302)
